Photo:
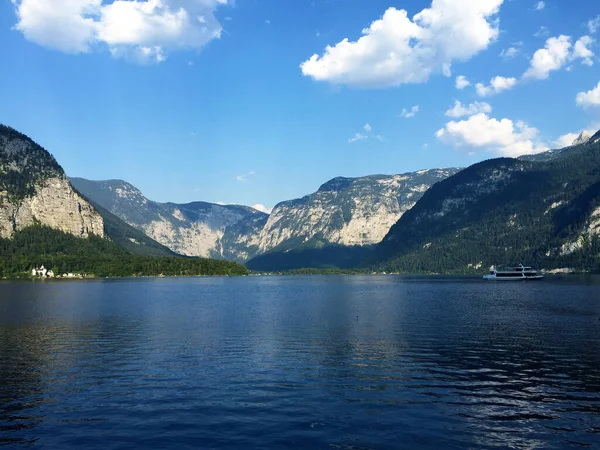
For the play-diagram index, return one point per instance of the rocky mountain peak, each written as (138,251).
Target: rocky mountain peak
(192,229)
(34,189)
(336,184)
(346,211)
(582,138)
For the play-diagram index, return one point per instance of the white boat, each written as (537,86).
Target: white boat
(520,272)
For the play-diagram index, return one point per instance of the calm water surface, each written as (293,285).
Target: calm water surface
(362,362)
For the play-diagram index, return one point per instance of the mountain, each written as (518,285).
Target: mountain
(45,221)
(129,238)
(583,138)
(192,229)
(35,190)
(346,211)
(504,211)
(549,155)
(337,226)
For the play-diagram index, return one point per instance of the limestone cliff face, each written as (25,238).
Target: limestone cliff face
(192,229)
(347,211)
(54,204)
(35,190)
(344,211)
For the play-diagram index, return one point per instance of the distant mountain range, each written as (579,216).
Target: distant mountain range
(44,221)
(34,190)
(542,209)
(344,211)
(192,229)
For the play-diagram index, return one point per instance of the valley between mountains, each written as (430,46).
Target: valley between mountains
(542,209)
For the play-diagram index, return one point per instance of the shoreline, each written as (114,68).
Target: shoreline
(282,274)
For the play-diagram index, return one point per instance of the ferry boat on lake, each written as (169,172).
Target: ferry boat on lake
(520,272)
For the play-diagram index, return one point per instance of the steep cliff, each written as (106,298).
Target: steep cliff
(347,211)
(193,229)
(35,190)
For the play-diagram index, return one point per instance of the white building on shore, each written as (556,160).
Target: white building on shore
(42,272)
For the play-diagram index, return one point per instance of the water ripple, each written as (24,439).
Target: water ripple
(300,362)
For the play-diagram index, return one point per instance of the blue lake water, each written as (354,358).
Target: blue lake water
(356,362)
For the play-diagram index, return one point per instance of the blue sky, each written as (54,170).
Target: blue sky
(220,101)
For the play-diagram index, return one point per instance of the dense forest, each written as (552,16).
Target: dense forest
(327,257)
(64,253)
(503,211)
(23,166)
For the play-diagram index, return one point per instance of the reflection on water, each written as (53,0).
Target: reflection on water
(301,362)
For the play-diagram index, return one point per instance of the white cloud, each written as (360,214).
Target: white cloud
(140,30)
(594,25)
(503,137)
(244,177)
(552,57)
(589,98)
(407,114)
(509,53)
(581,50)
(557,53)
(497,85)
(462,82)
(396,50)
(262,208)
(460,110)
(364,136)
(566,140)
(357,137)
(539,6)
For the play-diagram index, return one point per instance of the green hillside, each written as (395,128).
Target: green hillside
(65,253)
(503,211)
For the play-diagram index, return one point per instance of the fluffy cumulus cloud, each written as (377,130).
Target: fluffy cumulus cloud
(396,49)
(141,30)
(497,85)
(539,6)
(581,50)
(503,137)
(557,52)
(462,82)
(552,57)
(460,110)
(589,98)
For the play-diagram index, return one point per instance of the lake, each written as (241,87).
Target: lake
(315,362)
